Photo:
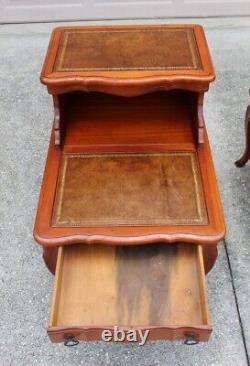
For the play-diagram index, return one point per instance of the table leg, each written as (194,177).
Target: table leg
(210,254)
(245,157)
(50,258)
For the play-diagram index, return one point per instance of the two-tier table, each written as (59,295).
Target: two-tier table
(129,214)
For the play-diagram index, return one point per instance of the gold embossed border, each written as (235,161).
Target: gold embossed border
(201,219)
(191,39)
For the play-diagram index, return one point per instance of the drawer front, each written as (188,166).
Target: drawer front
(157,288)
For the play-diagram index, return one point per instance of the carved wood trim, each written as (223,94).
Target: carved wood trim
(57,120)
(200,119)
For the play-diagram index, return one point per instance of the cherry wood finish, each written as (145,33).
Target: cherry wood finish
(94,59)
(161,289)
(210,254)
(130,81)
(50,258)
(129,91)
(151,123)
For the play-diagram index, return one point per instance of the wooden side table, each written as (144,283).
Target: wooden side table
(246,155)
(129,214)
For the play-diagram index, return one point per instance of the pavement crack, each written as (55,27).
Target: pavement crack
(237,303)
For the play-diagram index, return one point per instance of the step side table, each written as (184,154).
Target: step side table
(129,215)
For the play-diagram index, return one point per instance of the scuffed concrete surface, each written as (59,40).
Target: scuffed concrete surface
(25,283)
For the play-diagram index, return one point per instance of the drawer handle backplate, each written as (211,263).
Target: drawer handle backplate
(70,341)
(191,340)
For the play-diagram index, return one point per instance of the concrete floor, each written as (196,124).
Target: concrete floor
(26,285)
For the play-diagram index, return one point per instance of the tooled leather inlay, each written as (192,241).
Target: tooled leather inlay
(134,49)
(129,190)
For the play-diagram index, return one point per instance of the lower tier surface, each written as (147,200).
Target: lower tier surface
(129,189)
(129,172)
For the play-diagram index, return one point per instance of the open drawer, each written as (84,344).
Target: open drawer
(158,287)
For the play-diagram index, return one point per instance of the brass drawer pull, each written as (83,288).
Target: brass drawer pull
(70,341)
(191,340)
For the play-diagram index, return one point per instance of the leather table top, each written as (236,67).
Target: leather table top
(146,49)
(129,189)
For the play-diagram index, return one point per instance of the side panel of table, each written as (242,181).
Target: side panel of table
(246,155)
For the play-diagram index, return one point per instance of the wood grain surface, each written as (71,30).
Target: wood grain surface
(153,286)
(118,281)
(104,122)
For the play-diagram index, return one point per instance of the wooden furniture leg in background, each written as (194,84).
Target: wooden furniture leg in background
(245,157)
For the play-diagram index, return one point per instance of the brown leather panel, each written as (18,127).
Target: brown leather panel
(127,49)
(129,189)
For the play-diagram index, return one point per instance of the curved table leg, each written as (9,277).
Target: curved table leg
(210,254)
(50,258)
(245,157)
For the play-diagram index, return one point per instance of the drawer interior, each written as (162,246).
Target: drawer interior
(156,287)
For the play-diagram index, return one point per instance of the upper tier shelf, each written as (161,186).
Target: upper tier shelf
(127,60)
